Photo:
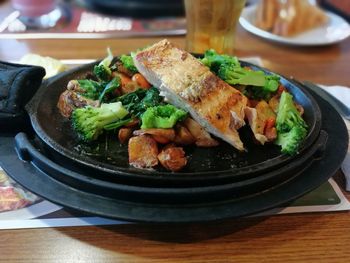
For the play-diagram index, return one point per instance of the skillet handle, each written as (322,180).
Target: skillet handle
(320,145)
(22,147)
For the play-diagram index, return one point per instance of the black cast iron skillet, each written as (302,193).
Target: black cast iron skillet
(57,188)
(206,166)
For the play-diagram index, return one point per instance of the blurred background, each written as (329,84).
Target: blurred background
(105,18)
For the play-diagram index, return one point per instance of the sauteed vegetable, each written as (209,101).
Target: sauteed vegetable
(291,128)
(258,84)
(157,121)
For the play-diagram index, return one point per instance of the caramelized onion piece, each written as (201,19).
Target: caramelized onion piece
(124,134)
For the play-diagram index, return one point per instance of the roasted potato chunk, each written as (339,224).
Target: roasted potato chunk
(202,138)
(163,136)
(143,151)
(172,158)
(183,136)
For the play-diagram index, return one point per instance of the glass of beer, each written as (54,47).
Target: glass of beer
(212,24)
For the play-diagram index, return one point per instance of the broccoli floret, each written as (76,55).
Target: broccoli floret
(88,88)
(102,71)
(128,63)
(164,116)
(261,86)
(110,87)
(117,124)
(89,122)
(214,60)
(287,114)
(271,83)
(291,141)
(291,128)
(237,75)
(228,68)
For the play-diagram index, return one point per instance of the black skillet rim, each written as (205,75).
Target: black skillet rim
(164,176)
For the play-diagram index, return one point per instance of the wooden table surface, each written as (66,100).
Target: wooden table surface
(319,237)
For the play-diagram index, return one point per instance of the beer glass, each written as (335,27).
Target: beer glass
(212,24)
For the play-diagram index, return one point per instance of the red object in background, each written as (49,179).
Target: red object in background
(10,199)
(33,8)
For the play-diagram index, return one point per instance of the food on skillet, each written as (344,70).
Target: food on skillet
(161,99)
(190,85)
(289,18)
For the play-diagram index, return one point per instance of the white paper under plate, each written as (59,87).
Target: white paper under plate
(336,30)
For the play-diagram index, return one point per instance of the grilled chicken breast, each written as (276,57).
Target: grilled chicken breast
(188,84)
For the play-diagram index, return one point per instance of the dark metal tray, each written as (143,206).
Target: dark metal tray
(326,160)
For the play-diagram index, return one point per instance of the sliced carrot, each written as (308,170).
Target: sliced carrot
(270,130)
(124,79)
(129,87)
(141,81)
(270,122)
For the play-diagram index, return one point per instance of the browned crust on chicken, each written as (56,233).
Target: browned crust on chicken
(190,85)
